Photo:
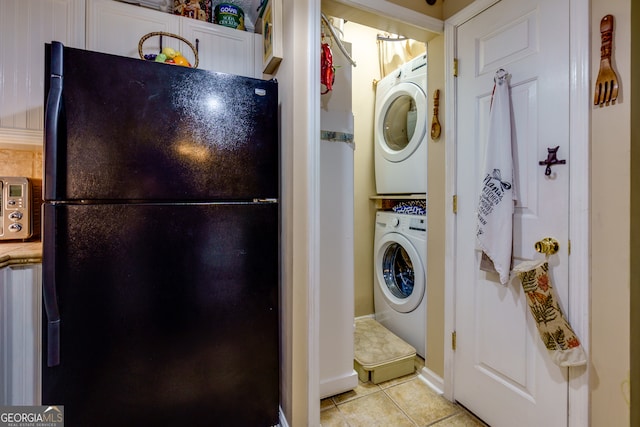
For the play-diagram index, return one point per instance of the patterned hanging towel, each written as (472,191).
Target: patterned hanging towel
(556,333)
(494,231)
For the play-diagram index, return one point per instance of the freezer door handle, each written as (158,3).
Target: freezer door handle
(52,116)
(49,294)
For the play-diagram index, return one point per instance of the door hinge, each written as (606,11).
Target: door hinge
(455,67)
(455,204)
(453,340)
(569,247)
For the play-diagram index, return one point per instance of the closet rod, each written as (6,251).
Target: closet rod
(337,39)
(391,39)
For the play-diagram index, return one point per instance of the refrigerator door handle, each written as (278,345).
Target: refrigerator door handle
(52,115)
(49,294)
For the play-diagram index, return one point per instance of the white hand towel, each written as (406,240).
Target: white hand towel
(495,208)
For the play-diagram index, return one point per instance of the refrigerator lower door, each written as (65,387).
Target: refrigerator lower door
(168,314)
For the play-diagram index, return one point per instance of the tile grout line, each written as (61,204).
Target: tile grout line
(343,416)
(384,390)
(457,409)
(355,397)
(454,414)
(386,387)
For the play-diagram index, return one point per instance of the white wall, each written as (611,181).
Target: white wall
(365,53)
(610,227)
(635,212)
(299,89)
(436,206)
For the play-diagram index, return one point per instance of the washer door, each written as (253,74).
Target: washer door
(401,121)
(399,272)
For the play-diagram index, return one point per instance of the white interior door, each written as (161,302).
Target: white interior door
(502,371)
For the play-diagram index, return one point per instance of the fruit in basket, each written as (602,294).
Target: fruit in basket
(164,58)
(169,52)
(181,60)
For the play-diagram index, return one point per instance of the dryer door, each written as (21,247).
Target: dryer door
(399,272)
(401,121)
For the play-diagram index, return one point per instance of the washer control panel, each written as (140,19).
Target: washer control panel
(415,225)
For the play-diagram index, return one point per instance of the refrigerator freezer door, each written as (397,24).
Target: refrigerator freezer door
(168,314)
(128,129)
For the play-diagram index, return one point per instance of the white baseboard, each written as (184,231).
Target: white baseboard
(338,385)
(283,419)
(366,316)
(434,381)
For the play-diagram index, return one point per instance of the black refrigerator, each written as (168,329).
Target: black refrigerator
(161,244)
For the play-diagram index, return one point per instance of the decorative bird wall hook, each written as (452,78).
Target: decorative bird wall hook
(552,159)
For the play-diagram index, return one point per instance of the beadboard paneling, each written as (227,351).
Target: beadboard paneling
(25,26)
(20,319)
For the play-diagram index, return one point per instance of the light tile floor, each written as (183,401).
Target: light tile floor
(406,401)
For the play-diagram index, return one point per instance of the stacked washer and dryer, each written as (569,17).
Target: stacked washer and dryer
(401,169)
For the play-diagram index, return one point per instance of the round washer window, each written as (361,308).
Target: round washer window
(400,122)
(397,270)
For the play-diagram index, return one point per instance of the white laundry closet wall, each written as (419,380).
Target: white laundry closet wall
(336,239)
(365,53)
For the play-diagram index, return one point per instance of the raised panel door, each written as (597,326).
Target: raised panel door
(503,372)
(117,28)
(221,48)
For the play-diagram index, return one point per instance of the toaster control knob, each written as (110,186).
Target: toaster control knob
(15,227)
(15,216)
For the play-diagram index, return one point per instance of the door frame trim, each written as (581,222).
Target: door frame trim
(579,196)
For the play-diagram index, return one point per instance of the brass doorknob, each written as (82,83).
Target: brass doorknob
(547,246)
